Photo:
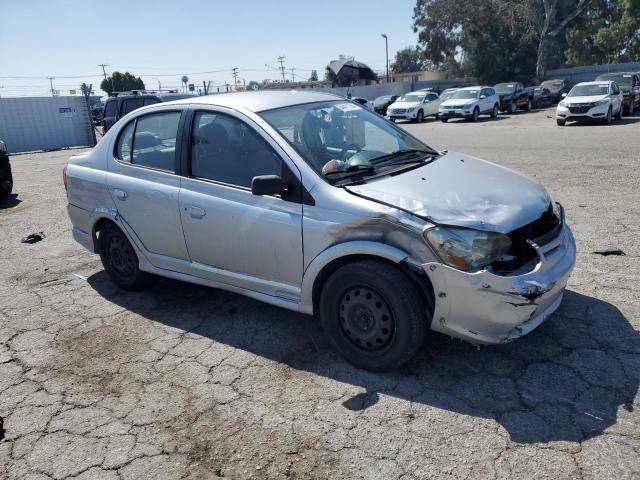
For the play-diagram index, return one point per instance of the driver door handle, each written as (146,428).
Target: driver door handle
(195,211)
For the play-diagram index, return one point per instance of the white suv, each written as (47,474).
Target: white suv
(470,103)
(414,106)
(591,101)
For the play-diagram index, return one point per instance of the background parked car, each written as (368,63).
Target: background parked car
(470,103)
(542,97)
(591,101)
(96,113)
(6,178)
(120,104)
(381,104)
(447,94)
(514,95)
(629,84)
(414,106)
(557,87)
(363,101)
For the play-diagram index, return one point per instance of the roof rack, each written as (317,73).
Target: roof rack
(142,92)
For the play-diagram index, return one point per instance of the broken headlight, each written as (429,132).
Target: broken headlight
(467,249)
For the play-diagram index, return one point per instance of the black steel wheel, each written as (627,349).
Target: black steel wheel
(120,259)
(6,181)
(373,315)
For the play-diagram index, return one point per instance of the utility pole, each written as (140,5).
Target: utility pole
(386,45)
(234,74)
(104,72)
(293,75)
(51,83)
(282,69)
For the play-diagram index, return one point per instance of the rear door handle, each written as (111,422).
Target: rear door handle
(195,211)
(120,194)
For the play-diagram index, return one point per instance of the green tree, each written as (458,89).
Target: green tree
(253,85)
(314,76)
(121,82)
(407,60)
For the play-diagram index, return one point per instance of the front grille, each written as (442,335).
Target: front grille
(579,109)
(540,231)
(399,110)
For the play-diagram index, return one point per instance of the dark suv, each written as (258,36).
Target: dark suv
(118,105)
(629,84)
(6,179)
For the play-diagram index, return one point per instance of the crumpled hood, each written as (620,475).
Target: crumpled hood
(460,190)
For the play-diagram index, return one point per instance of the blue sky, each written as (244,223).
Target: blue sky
(168,39)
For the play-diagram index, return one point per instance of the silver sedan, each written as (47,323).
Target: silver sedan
(312,203)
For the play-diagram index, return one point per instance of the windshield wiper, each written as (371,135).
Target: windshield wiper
(400,153)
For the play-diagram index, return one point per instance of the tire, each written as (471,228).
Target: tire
(476,114)
(609,118)
(494,112)
(529,105)
(6,182)
(444,119)
(618,116)
(419,116)
(632,108)
(120,260)
(392,120)
(373,315)
(513,108)
(561,122)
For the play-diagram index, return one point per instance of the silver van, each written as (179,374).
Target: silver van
(309,202)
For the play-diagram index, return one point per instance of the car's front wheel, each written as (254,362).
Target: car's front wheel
(6,182)
(494,112)
(419,116)
(529,105)
(609,118)
(476,114)
(512,107)
(561,123)
(120,260)
(372,313)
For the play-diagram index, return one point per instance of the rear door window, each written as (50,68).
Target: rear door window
(154,141)
(150,101)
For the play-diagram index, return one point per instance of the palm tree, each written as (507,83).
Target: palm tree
(185,79)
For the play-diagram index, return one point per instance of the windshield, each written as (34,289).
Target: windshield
(465,94)
(505,88)
(412,97)
(552,84)
(383,99)
(589,90)
(446,96)
(335,136)
(622,79)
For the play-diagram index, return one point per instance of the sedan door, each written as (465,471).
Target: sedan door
(233,236)
(432,103)
(145,188)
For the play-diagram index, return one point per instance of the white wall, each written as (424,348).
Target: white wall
(44,123)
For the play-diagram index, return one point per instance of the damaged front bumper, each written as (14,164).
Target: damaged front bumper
(485,308)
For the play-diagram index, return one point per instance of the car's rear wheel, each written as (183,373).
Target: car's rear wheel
(120,260)
(373,315)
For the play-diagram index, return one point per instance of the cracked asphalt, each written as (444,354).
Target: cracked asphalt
(185,382)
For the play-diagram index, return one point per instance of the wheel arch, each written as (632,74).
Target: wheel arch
(325,264)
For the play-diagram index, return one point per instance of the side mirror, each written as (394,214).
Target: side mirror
(482,97)
(267,185)
(563,95)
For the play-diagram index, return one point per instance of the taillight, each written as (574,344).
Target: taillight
(64,175)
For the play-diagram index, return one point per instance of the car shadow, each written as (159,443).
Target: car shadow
(593,123)
(563,382)
(482,119)
(10,201)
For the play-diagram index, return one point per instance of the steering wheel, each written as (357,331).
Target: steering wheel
(351,146)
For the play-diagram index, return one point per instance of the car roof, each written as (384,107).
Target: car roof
(616,74)
(473,88)
(262,100)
